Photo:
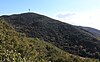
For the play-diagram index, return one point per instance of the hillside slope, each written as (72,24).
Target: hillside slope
(15,47)
(65,36)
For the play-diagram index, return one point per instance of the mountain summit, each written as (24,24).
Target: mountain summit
(63,35)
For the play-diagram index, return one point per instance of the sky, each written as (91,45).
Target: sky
(75,12)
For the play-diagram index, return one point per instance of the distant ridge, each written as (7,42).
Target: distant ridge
(93,31)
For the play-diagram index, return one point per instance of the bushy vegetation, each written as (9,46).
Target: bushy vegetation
(65,36)
(16,47)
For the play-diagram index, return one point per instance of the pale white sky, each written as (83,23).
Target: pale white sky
(89,18)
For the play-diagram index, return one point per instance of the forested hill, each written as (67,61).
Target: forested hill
(65,36)
(16,47)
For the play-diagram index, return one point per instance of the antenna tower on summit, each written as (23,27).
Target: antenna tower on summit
(29,10)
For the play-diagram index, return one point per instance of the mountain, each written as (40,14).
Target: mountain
(16,47)
(93,31)
(64,36)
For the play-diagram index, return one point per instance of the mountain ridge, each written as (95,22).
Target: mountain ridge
(16,47)
(93,31)
(65,36)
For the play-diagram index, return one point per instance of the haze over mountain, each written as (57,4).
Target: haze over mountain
(67,37)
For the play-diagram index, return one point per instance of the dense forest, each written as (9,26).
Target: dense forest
(67,37)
